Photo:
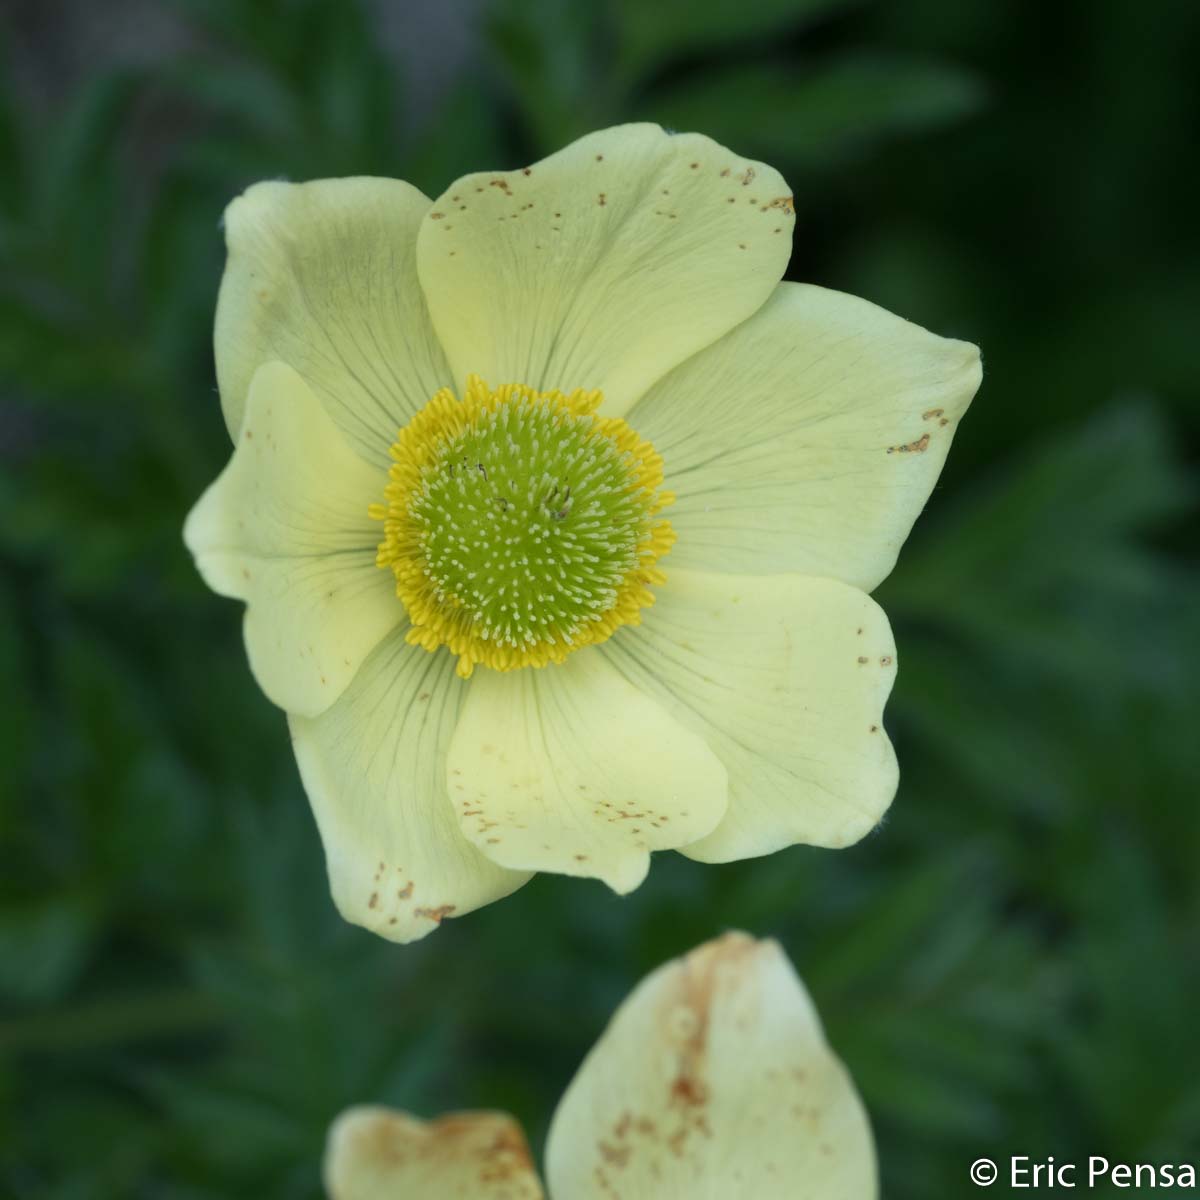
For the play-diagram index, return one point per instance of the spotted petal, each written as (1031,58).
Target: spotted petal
(378,1154)
(713,1079)
(809,438)
(785,678)
(285,528)
(323,276)
(604,265)
(573,769)
(374,767)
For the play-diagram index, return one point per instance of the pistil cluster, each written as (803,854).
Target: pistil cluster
(520,525)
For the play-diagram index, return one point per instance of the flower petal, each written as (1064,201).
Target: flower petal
(285,528)
(570,768)
(323,276)
(809,438)
(604,265)
(380,1154)
(374,768)
(713,1079)
(785,677)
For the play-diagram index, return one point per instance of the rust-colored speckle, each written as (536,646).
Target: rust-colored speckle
(886,661)
(618,1156)
(599,157)
(917,447)
(437,915)
(405,891)
(695,166)
(436,216)
(374,900)
(931,413)
(725,173)
(862,658)
(785,204)
(526,170)
(602,200)
(689,1091)
(747,176)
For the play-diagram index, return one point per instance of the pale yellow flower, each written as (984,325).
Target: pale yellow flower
(476,439)
(714,1079)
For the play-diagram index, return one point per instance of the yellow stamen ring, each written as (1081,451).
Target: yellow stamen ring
(519,525)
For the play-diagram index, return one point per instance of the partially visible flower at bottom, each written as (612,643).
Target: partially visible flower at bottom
(713,1079)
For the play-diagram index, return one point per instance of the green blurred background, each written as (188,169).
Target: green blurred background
(1011,965)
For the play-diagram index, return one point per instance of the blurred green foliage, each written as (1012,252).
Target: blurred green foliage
(1010,966)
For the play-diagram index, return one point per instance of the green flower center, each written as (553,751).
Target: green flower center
(520,525)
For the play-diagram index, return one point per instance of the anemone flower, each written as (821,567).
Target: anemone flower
(555,513)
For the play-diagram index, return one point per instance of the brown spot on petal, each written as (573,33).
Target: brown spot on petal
(438,914)
(688,1091)
(917,447)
